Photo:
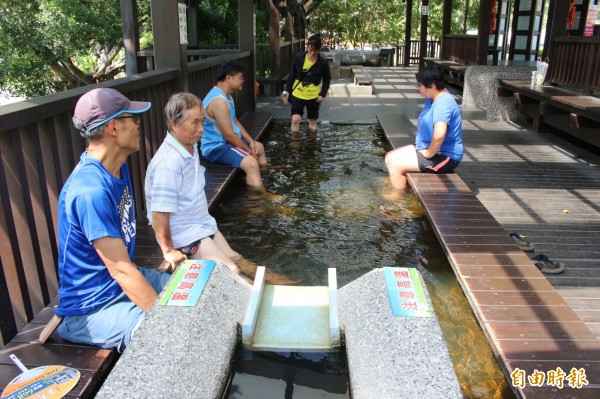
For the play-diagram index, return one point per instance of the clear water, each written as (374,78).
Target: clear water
(334,214)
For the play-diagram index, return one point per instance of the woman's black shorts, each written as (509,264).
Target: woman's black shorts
(312,107)
(437,164)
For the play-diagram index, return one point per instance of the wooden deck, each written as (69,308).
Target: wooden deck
(514,179)
(148,253)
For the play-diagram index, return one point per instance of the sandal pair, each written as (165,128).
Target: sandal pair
(525,245)
(548,266)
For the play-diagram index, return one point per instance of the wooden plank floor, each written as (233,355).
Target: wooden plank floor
(148,253)
(518,180)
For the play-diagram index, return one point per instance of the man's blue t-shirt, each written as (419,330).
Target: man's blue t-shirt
(443,109)
(92,204)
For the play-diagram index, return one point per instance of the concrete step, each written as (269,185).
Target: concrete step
(350,90)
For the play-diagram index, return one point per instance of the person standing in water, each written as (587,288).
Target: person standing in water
(308,83)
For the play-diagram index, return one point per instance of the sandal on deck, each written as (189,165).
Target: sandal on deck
(525,246)
(548,266)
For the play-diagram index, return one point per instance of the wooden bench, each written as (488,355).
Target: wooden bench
(527,322)
(555,107)
(361,76)
(95,363)
(453,71)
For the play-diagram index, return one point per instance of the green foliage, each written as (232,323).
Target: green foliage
(54,45)
(382,22)
(218,21)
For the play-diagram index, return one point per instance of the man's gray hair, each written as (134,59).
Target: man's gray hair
(177,105)
(95,134)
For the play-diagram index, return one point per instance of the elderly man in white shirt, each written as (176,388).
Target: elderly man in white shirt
(174,189)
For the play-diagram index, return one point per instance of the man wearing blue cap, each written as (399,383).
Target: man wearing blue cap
(103,295)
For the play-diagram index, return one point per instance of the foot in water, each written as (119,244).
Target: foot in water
(401,212)
(264,194)
(391,216)
(390,192)
(248,271)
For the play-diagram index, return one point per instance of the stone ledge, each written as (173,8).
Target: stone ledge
(392,357)
(350,90)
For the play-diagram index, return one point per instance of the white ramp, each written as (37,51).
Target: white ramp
(292,318)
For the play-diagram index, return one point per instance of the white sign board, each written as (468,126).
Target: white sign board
(183,38)
(424,10)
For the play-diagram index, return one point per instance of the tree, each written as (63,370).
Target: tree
(218,22)
(360,22)
(382,22)
(55,45)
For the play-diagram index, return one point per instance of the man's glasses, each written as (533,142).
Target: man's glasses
(136,118)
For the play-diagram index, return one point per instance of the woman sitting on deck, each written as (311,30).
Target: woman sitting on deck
(438,146)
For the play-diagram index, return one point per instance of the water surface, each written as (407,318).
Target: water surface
(334,214)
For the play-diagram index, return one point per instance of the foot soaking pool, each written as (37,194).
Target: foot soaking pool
(336,211)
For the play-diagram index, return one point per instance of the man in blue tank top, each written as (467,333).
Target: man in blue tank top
(103,296)
(225,140)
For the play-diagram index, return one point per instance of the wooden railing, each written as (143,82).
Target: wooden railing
(460,48)
(432,51)
(575,61)
(263,59)
(286,57)
(39,148)
(145,58)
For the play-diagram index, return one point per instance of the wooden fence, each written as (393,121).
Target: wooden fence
(432,51)
(460,48)
(575,61)
(39,148)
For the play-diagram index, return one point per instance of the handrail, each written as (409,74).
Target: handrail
(214,61)
(14,114)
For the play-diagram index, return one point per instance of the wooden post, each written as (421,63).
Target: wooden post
(168,51)
(247,40)
(274,43)
(294,12)
(424,20)
(483,31)
(192,20)
(288,28)
(407,31)
(556,26)
(296,33)
(131,37)
(446,23)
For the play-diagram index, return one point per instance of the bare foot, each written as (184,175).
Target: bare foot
(392,194)
(235,256)
(263,193)
(248,271)
(272,197)
(233,267)
(391,216)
